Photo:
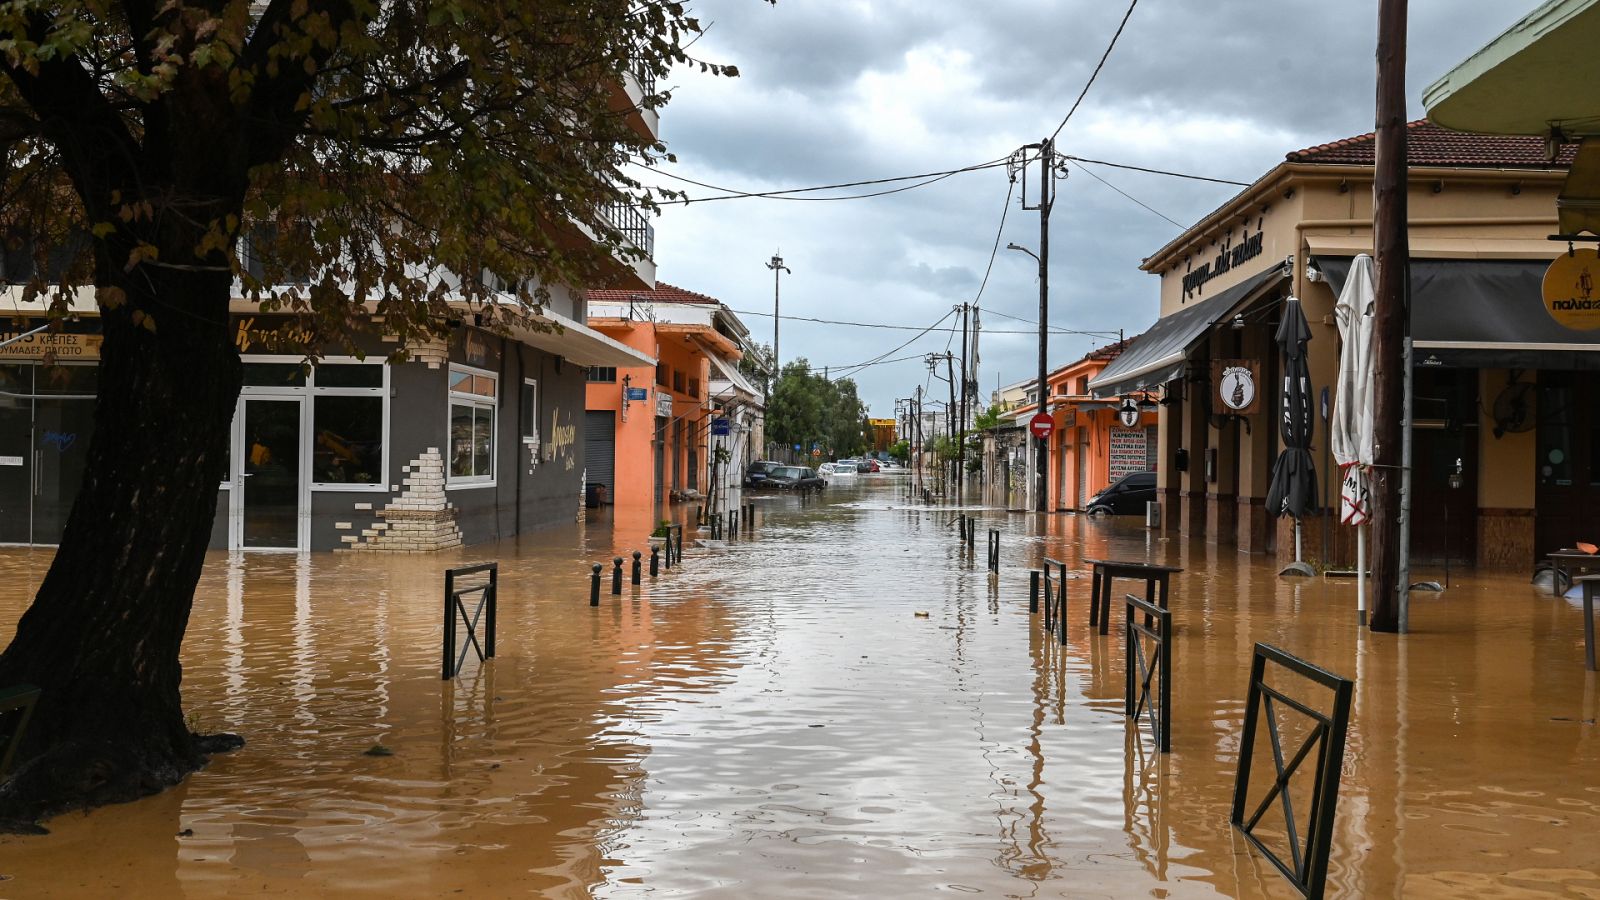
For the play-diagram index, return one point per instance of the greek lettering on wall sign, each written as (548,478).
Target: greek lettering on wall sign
(1230,256)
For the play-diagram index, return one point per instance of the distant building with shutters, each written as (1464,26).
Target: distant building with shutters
(654,434)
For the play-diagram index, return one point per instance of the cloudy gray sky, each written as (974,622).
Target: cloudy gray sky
(846,90)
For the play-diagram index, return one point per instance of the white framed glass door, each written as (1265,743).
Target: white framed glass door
(270,488)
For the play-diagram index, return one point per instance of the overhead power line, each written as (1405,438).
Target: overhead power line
(1090,172)
(892,327)
(1101,162)
(922,180)
(1096,73)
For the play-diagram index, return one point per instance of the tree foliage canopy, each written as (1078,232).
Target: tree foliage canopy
(357,164)
(806,408)
(398,154)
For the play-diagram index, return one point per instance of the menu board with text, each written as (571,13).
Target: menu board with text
(1127,452)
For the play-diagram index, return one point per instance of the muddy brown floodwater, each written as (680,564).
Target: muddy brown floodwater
(775,719)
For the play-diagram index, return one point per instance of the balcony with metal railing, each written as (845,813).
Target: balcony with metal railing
(634,225)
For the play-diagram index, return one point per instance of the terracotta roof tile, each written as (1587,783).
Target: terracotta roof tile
(1428,144)
(663,293)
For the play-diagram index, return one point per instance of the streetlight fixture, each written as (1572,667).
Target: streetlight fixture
(1041,452)
(777,266)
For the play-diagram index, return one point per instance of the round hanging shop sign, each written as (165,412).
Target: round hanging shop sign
(1237,388)
(1569,290)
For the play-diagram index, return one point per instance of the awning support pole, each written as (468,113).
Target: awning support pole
(1361,573)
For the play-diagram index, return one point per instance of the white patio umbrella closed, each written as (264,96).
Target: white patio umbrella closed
(1351,434)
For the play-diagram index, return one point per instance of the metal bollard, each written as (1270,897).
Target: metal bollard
(699,515)
(637,567)
(616,575)
(655,560)
(994,550)
(972,530)
(594,586)
(1033,591)
(733,522)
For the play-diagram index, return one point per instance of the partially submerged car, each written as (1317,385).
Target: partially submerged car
(793,478)
(1126,496)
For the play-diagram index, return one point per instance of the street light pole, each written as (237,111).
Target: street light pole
(777,266)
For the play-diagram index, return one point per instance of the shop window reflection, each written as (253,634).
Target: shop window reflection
(348,447)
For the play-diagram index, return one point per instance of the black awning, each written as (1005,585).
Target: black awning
(1157,356)
(1482,314)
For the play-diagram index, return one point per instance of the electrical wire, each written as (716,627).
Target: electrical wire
(1090,172)
(913,340)
(1005,209)
(922,180)
(881,362)
(1101,162)
(1054,329)
(1096,73)
(889,327)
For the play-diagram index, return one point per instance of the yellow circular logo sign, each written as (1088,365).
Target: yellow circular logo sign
(1569,290)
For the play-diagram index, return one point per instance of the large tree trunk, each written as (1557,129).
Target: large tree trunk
(103,635)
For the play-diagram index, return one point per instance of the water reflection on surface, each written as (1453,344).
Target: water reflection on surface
(776,719)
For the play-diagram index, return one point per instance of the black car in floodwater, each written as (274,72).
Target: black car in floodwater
(792,478)
(758,471)
(1125,497)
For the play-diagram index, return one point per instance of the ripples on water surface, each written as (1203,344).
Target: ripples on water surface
(775,720)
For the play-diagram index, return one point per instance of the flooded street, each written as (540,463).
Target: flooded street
(775,718)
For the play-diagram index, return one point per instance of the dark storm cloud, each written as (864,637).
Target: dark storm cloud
(840,90)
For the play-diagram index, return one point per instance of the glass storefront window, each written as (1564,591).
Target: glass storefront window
(472,434)
(462,382)
(81,381)
(342,375)
(347,442)
(257,374)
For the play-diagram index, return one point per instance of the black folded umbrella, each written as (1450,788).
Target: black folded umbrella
(1294,478)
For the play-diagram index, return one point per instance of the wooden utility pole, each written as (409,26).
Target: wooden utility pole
(1047,165)
(961,427)
(1393,257)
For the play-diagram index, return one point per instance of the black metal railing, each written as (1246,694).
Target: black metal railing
(1055,597)
(1307,868)
(632,223)
(646,80)
(455,613)
(674,545)
(1147,670)
(16,708)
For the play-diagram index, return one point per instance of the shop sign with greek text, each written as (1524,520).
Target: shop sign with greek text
(1569,295)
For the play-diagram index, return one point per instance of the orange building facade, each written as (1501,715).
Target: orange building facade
(649,428)
(1090,447)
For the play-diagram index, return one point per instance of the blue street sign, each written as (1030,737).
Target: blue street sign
(797,446)
(639,394)
(719,426)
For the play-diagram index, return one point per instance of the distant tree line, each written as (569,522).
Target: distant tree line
(806,408)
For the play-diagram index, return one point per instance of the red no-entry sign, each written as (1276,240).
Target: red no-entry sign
(1041,425)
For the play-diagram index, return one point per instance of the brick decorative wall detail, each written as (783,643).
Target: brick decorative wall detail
(420,520)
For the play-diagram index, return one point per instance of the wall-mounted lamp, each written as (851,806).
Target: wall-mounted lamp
(1288,266)
(1238,322)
